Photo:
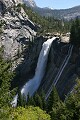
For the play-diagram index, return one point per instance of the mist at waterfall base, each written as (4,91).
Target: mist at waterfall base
(32,85)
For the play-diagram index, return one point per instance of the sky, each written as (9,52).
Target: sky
(57,4)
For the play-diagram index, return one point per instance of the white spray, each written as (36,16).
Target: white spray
(32,85)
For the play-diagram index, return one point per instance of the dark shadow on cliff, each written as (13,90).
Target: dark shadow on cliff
(26,69)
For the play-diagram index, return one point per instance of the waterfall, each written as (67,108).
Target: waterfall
(32,85)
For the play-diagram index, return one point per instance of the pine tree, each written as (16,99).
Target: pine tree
(38,101)
(42,95)
(24,100)
(31,102)
(73,102)
(72,35)
(53,99)
(5,80)
(20,99)
(28,98)
(75,32)
(60,112)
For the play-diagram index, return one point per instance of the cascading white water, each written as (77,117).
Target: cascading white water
(32,85)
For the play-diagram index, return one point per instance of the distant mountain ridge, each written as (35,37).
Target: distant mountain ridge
(66,14)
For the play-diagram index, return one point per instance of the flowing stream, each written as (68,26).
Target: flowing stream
(32,85)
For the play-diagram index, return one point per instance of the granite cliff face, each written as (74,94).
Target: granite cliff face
(57,62)
(9,3)
(17,30)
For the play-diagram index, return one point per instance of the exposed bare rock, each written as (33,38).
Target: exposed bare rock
(30,3)
(65,39)
(17,31)
(9,3)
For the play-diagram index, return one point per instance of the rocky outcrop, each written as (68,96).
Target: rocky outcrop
(17,31)
(2,6)
(30,3)
(10,3)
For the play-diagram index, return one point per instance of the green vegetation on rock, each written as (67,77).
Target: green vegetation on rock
(75,32)
(5,79)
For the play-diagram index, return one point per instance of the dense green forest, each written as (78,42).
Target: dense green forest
(5,79)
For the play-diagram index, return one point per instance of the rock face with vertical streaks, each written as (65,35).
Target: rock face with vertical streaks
(17,29)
